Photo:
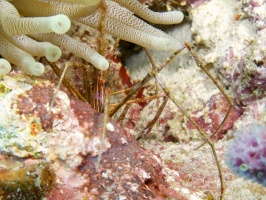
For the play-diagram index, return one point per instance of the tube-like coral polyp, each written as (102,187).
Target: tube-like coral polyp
(5,67)
(49,20)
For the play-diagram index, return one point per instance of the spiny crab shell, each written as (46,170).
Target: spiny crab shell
(25,23)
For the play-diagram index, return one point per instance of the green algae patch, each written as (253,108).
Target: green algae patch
(29,182)
(3,90)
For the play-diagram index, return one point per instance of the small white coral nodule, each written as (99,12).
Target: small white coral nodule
(49,21)
(5,67)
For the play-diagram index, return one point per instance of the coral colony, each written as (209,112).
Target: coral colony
(246,154)
(47,21)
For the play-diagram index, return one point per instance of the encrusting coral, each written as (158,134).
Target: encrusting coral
(50,20)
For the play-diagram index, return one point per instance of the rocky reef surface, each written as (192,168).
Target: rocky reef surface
(52,152)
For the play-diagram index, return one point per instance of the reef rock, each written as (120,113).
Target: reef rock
(64,142)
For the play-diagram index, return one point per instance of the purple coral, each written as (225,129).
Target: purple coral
(246,155)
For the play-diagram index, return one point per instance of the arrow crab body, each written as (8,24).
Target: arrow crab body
(37,27)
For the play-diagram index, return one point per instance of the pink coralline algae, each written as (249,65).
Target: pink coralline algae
(196,3)
(210,119)
(248,80)
(243,66)
(126,169)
